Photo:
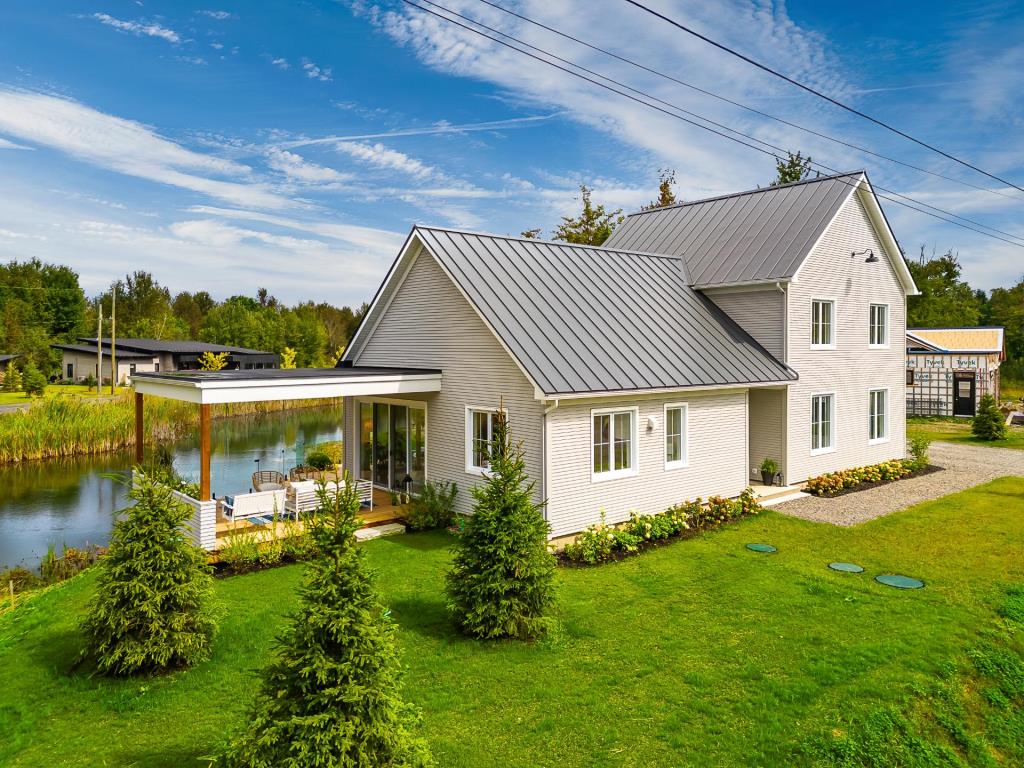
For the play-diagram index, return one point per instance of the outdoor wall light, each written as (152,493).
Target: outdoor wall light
(652,423)
(871,259)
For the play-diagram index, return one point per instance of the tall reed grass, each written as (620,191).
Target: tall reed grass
(70,426)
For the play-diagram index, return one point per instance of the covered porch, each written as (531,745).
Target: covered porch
(268,509)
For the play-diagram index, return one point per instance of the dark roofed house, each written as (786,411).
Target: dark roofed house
(153,355)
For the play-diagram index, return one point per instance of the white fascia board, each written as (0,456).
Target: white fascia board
(215,392)
(668,390)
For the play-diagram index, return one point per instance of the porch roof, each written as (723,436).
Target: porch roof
(251,385)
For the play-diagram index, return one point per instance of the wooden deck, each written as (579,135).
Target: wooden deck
(383,512)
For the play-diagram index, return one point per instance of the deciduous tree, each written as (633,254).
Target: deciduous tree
(593,226)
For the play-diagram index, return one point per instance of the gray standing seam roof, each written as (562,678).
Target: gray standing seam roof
(756,236)
(175,346)
(581,319)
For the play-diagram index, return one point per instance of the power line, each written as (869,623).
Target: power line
(818,93)
(711,122)
(741,105)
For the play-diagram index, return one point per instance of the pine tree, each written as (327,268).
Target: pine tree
(33,381)
(332,696)
(501,582)
(989,422)
(152,610)
(12,379)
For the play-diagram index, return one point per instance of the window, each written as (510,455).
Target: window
(878,325)
(822,417)
(675,436)
(614,443)
(878,416)
(822,323)
(910,377)
(71,371)
(479,432)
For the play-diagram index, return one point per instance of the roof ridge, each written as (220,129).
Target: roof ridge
(715,198)
(557,243)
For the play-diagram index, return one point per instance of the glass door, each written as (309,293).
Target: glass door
(392,445)
(399,445)
(382,435)
(365,441)
(417,448)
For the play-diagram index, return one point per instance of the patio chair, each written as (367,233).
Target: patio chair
(259,504)
(268,480)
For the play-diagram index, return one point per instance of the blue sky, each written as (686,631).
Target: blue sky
(228,146)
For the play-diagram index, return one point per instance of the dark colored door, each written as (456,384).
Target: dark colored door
(963,394)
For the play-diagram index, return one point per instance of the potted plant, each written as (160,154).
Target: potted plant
(768,469)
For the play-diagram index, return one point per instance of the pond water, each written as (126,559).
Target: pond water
(72,502)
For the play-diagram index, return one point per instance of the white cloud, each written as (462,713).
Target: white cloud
(217,46)
(5,144)
(380,156)
(435,130)
(198,60)
(316,72)
(127,147)
(139,28)
(297,168)
(219,15)
(281,63)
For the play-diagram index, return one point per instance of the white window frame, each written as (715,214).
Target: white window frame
(831,448)
(832,322)
(885,328)
(471,468)
(684,424)
(634,444)
(886,420)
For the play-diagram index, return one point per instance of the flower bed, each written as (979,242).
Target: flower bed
(601,543)
(862,478)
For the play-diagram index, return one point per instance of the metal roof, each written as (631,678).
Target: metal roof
(8,358)
(175,346)
(581,319)
(122,354)
(747,237)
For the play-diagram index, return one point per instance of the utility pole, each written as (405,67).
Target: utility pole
(113,346)
(99,347)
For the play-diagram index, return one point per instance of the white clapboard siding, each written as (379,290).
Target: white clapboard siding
(429,324)
(761,313)
(717,459)
(852,368)
(767,429)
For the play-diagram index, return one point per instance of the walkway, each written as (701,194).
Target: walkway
(964,466)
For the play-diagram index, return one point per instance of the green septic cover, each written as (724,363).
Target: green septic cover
(761,548)
(846,567)
(900,582)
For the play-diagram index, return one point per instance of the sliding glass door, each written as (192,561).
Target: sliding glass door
(392,445)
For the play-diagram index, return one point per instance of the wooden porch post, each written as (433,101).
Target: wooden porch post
(204,452)
(140,433)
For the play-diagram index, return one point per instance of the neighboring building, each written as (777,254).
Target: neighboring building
(950,369)
(5,361)
(701,339)
(152,355)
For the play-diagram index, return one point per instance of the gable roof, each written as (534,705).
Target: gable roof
(585,320)
(762,235)
(983,339)
(174,346)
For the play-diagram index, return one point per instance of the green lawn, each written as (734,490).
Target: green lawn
(52,390)
(954,430)
(697,653)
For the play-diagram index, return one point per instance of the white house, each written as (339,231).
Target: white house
(665,365)
(701,339)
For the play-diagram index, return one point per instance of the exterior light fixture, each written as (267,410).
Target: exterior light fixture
(871,259)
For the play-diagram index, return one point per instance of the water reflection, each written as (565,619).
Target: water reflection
(73,501)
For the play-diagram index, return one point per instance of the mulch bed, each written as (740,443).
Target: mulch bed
(930,469)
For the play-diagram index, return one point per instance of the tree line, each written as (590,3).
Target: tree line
(43,304)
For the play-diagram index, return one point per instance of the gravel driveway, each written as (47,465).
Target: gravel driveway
(964,466)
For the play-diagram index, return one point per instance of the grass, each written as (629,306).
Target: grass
(1010,389)
(57,427)
(958,430)
(55,390)
(697,653)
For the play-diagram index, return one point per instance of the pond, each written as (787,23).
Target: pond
(72,502)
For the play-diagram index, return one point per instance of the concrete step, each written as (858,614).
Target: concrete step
(779,498)
(377,531)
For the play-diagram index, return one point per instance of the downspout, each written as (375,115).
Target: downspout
(547,453)
(785,360)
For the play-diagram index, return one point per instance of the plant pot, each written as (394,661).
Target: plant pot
(767,477)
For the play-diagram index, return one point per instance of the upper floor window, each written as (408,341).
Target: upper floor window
(878,325)
(613,442)
(823,332)
(878,415)
(480,423)
(823,416)
(676,449)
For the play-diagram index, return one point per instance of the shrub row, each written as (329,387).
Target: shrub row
(833,483)
(601,543)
